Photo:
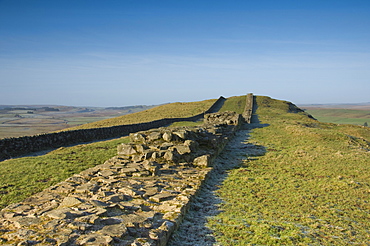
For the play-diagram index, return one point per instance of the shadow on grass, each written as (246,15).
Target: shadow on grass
(194,230)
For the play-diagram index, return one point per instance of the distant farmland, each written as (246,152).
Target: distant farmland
(340,114)
(17,121)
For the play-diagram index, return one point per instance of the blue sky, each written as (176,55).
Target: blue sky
(129,52)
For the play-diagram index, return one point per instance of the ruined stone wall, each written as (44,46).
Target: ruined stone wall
(13,147)
(248,111)
(138,197)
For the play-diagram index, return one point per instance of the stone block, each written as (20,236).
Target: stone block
(202,161)
(126,149)
(137,137)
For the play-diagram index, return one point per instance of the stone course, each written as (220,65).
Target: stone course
(138,197)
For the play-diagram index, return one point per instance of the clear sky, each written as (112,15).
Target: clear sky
(129,52)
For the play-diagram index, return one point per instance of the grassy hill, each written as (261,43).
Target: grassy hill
(310,188)
(172,110)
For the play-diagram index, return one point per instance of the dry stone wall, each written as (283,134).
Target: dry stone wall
(13,147)
(138,197)
(248,110)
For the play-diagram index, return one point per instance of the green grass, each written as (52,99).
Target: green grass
(172,110)
(310,188)
(22,177)
(187,123)
(236,104)
(341,116)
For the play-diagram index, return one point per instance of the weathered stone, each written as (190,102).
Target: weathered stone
(167,136)
(161,197)
(94,239)
(171,155)
(192,144)
(137,158)
(165,146)
(87,187)
(119,198)
(144,173)
(140,148)
(183,134)
(61,213)
(70,202)
(126,149)
(117,230)
(81,226)
(91,219)
(137,137)
(63,187)
(26,221)
(76,179)
(202,161)
(100,204)
(183,149)
(21,208)
(19,234)
(106,173)
(154,136)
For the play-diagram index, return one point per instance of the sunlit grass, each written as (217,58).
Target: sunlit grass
(172,110)
(310,188)
(236,104)
(22,177)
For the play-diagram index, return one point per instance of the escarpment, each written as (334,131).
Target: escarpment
(137,197)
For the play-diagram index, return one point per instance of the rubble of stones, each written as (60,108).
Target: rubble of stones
(135,198)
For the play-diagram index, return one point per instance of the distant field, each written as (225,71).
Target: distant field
(340,116)
(17,121)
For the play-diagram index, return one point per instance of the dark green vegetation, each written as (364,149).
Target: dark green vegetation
(20,121)
(310,188)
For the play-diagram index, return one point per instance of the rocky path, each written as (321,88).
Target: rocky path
(193,230)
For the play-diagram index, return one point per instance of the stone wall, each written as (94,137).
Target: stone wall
(248,111)
(13,147)
(138,197)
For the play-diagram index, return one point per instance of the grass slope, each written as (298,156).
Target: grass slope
(310,188)
(236,104)
(172,110)
(22,177)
